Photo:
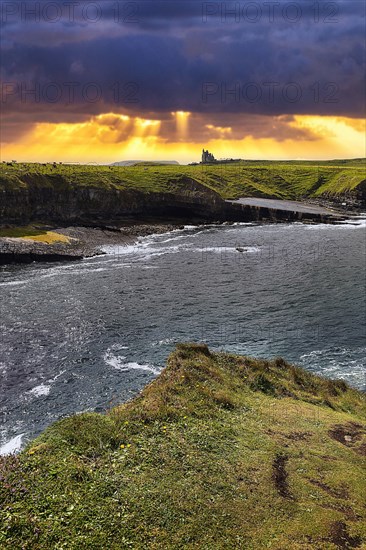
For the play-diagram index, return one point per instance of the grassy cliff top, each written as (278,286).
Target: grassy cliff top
(220,451)
(286,179)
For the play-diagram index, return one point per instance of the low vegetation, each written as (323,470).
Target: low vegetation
(220,451)
(286,180)
(49,237)
(34,233)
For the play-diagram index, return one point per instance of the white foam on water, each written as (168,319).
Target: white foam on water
(12,446)
(148,246)
(118,362)
(45,387)
(224,249)
(356,222)
(13,283)
(194,229)
(119,250)
(117,347)
(360,215)
(337,363)
(142,251)
(54,272)
(42,389)
(176,238)
(118,255)
(82,271)
(164,342)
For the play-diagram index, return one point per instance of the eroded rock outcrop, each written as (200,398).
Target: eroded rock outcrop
(54,199)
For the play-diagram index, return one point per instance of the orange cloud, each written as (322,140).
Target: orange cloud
(219,131)
(110,137)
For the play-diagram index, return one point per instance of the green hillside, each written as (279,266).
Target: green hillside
(219,452)
(287,179)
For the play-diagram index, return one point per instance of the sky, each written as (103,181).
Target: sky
(100,82)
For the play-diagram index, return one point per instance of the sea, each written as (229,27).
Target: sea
(88,335)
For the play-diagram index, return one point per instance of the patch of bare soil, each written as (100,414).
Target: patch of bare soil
(347,434)
(336,493)
(362,449)
(341,538)
(280,476)
(344,509)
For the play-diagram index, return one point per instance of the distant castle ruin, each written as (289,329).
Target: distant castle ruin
(207,157)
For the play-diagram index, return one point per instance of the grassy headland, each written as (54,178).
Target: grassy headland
(286,179)
(220,451)
(102,196)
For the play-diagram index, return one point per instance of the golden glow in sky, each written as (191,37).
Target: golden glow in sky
(112,137)
(181,118)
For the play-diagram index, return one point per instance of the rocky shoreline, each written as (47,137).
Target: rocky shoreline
(84,242)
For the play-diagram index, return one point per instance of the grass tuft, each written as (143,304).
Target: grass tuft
(219,451)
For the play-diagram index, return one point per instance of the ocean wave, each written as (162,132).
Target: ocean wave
(164,342)
(44,388)
(12,446)
(145,252)
(51,272)
(119,362)
(141,251)
(337,362)
(224,249)
(170,239)
(357,222)
(13,283)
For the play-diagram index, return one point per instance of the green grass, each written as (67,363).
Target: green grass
(22,232)
(34,233)
(286,179)
(219,452)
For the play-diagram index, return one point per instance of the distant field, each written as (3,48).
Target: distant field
(286,179)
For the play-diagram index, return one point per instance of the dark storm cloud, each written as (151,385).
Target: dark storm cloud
(157,57)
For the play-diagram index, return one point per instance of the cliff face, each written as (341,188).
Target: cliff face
(53,199)
(243,212)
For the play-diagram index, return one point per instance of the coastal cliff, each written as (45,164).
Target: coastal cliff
(57,200)
(220,451)
(107,195)
(111,198)
(53,198)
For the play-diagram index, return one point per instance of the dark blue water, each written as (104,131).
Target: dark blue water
(88,335)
